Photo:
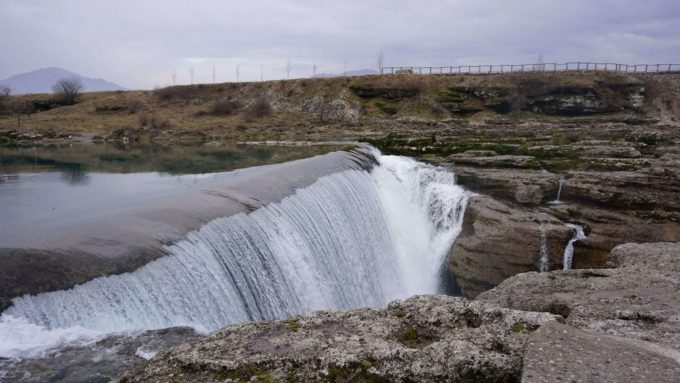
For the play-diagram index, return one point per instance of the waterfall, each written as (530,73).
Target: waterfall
(352,239)
(543,260)
(569,249)
(559,190)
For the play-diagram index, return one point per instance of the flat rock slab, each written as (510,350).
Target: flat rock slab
(561,353)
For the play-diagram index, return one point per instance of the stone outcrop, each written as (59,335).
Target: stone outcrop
(637,298)
(499,241)
(422,339)
(557,352)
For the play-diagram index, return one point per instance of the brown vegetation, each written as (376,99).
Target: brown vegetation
(245,111)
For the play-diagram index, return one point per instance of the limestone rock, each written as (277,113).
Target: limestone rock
(523,186)
(499,241)
(502,161)
(423,339)
(637,299)
(557,352)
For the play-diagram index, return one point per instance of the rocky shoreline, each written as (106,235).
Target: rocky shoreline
(597,151)
(618,324)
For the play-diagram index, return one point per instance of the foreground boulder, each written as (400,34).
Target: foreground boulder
(422,339)
(558,352)
(637,299)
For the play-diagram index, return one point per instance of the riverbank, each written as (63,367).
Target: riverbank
(545,154)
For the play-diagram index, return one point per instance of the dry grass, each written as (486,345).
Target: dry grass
(176,108)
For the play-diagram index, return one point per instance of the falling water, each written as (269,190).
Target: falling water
(543,260)
(559,190)
(352,239)
(569,250)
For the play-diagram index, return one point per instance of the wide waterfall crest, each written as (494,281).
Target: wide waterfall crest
(352,239)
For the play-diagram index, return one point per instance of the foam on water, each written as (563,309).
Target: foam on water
(351,239)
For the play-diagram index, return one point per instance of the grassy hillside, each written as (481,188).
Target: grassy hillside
(345,108)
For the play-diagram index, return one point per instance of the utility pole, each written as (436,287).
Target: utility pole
(345,71)
(261,73)
(174,78)
(238,73)
(314,68)
(214,74)
(191,75)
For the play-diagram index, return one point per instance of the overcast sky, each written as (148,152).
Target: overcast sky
(139,43)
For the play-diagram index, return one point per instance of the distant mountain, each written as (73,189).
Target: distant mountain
(41,80)
(350,73)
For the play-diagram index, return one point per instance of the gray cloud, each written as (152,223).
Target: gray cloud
(139,44)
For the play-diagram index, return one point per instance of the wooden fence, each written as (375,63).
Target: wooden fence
(527,68)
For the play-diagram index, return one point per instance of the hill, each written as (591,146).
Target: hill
(41,80)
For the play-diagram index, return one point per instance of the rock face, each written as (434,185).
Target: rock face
(499,241)
(637,299)
(563,353)
(422,339)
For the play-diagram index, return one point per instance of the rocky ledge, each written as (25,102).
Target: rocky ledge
(422,339)
(617,325)
(638,298)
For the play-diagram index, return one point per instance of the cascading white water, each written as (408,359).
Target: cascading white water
(561,181)
(351,239)
(543,259)
(569,249)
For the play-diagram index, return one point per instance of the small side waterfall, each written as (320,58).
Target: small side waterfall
(569,249)
(543,259)
(561,181)
(355,238)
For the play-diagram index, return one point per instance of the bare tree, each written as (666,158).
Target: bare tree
(68,89)
(5,92)
(381,58)
(238,73)
(289,68)
(314,69)
(19,108)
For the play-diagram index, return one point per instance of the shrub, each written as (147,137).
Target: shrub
(154,122)
(144,119)
(260,108)
(224,108)
(133,106)
(67,90)
(393,88)
(130,106)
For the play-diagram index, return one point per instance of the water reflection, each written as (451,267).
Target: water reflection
(75,176)
(74,162)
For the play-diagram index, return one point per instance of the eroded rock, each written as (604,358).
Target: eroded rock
(637,299)
(423,339)
(499,241)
